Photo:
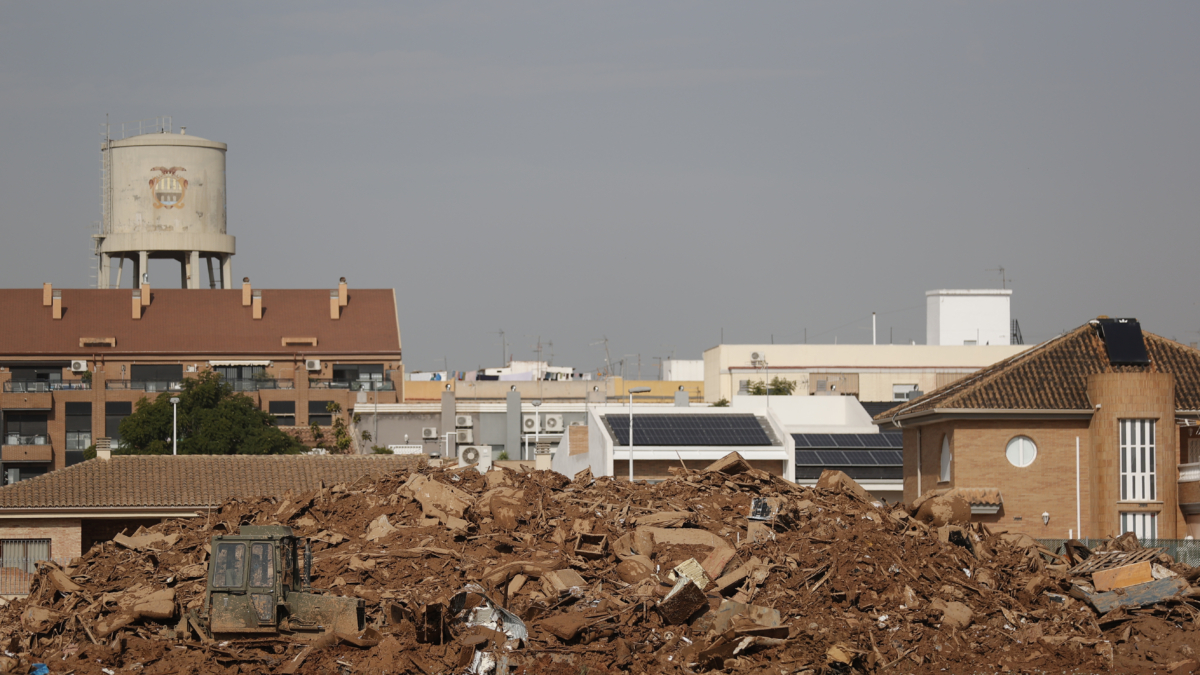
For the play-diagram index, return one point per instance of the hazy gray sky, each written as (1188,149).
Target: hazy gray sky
(653,172)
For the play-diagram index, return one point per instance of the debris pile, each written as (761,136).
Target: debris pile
(726,569)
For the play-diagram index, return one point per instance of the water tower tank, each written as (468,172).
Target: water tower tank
(164,199)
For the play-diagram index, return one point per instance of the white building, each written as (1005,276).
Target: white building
(968,317)
(681,370)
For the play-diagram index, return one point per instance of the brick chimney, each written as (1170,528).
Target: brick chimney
(56,305)
(146,292)
(256,302)
(335,309)
(343,297)
(246,292)
(137,303)
(47,294)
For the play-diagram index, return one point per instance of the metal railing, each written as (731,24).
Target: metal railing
(16,439)
(144,385)
(17,573)
(40,386)
(254,384)
(352,385)
(1186,551)
(1189,473)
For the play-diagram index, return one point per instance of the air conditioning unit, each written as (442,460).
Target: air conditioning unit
(478,456)
(79,366)
(552,423)
(463,421)
(756,356)
(312,364)
(529,424)
(429,432)
(464,436)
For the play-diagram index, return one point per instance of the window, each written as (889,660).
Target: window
(158,377)
(239,372)
(262,566)
(37,374)
(79,425)
(944,475)
(231,565)
(1144,525)
(900,391)
(358,372)
(1021,451)
(284,412)
(14,474)
(25,429)
(318,411)
(114,413)
(1193,450)
(1138,481)
(23,554)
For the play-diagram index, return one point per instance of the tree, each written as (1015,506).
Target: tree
(212,421)
(779,387)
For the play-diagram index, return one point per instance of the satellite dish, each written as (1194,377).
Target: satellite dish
(471,455)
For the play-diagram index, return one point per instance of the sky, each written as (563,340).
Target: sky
(660,175)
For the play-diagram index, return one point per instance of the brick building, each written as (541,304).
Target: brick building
(61,514)
(74,363)
(1007,436)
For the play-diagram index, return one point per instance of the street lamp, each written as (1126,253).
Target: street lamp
(635,390)
(174,425)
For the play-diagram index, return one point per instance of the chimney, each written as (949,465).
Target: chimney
(246,291)
(343,298)
(56,305)
(47,294)
(335,310)
(146,292)
(137,303)
(103,448)
(256,303)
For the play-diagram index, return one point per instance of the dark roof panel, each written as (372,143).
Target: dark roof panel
(697,430)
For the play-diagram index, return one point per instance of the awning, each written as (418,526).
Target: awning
(239,363)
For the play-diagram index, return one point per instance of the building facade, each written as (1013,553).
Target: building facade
(74,363)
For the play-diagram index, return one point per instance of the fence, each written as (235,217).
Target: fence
(17,573)
(1186,551)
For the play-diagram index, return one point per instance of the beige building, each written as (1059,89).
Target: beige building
(868,372)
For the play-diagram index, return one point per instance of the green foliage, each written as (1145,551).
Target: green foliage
(90,452)
(380,450)
(502,457)
(722,403)
(86,377)
(341,435)
(779,387)
(366,435)
(212,421)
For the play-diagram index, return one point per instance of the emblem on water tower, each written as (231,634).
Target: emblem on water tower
(168,189)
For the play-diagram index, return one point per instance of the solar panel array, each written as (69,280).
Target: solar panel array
(698,430)
(1124,341)
(849,449)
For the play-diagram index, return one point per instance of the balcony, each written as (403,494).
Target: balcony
(16,439)
(258,384)
(351,385)
(1189,488)
(26,449)
(44,386)
(143,385)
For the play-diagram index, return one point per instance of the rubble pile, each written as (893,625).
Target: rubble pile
(726,569)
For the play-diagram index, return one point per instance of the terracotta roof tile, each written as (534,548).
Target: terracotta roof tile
(979,496)
(197,322)
(158,481)
(1053,376)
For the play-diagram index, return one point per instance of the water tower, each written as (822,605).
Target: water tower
(163,197)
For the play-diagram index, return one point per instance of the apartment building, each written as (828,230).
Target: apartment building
(75,362)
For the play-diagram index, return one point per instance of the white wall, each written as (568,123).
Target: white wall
(680,370)
(811,414)
(956,317)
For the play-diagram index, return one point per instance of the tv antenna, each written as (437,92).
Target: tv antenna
(1003,278)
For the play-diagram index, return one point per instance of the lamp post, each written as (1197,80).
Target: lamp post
(537,423)
(635,390)
(174,425)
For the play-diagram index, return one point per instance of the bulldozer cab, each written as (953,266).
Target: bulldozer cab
(259,582)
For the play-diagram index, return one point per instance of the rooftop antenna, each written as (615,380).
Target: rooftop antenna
(607,358)
(1003,279)
(503,349)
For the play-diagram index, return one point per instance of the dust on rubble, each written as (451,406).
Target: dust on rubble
(525,573)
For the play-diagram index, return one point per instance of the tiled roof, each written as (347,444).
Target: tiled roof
(979,496)
(197,322)
(1053,376)
(159,481)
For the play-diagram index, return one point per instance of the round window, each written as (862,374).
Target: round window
(1021,451)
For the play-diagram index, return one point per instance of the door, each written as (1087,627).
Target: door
(230,610)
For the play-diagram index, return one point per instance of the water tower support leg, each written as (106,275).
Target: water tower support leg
(120,268)
(102,275)
(194,269)
(142,268)
(212,281)
(184,272)
(226,271)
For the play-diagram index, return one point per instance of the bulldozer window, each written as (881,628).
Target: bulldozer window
(262,565)
(231,566)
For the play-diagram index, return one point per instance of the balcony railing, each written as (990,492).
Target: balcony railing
(254,384)
(143,385)
(352,385)
(17,439)
(40,386)
(1189,473)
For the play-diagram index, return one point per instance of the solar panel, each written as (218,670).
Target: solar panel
(891,458)
(860,457)
(834,457)
(800,440)
(1124,342)
(846,458)
(820,440)
(882,440)
(847,440)
(808,458)
(701,430)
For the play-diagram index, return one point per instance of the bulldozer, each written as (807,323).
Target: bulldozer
(259,584)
